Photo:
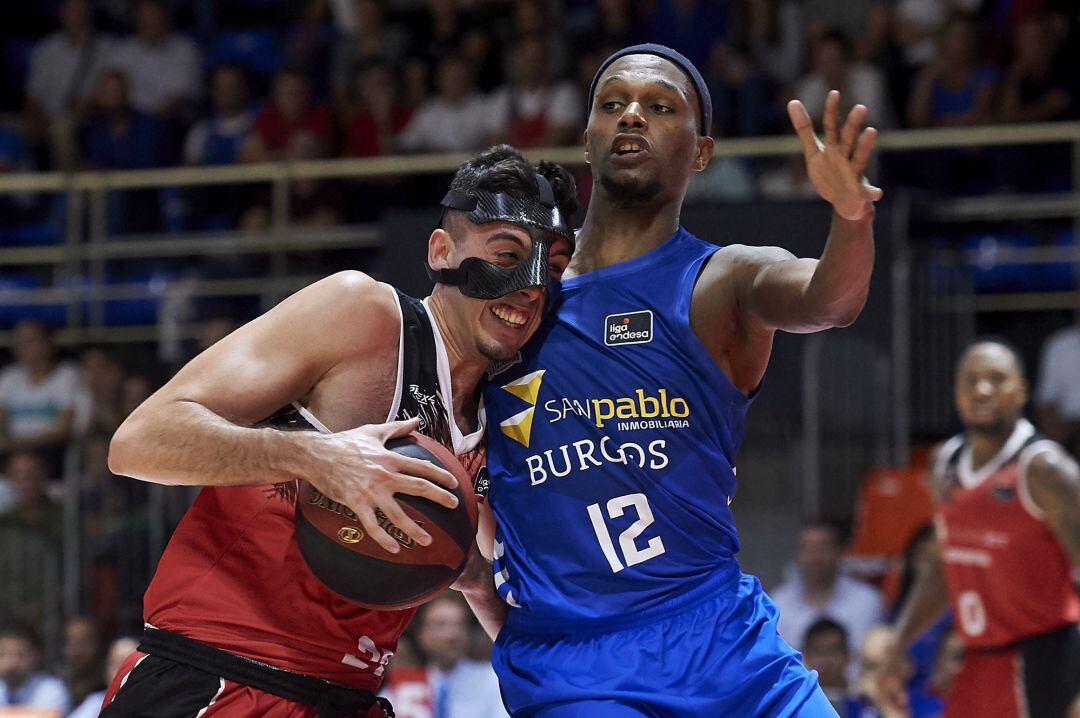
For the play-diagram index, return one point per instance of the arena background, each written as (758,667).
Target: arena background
(140,248)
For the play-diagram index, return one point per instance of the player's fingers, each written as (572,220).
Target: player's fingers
(863,150)
(804,127)
(870,192)
(393,511)
(423,469)
(424,489)
(831,119)
(375,531)
(396,429)
(850,132)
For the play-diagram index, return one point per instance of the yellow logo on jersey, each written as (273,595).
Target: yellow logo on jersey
(519,426)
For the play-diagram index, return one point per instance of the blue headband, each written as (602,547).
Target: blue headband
(649,48)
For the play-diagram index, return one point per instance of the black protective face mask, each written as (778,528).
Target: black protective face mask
(480,279)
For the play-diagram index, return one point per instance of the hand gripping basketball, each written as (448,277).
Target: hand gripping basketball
(357,470)
(344,556)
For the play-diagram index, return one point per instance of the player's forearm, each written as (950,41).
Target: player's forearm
(489,608)
(184,443)
(838,289)
(925,605)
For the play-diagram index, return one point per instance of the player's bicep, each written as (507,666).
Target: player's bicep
(1052,481)
(276,358)
(770,285)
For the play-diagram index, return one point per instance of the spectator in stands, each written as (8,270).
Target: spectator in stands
(83,654)
(22,682)
(217,139)
(533,110)
(834,67)
(378,117)
(821,591)
(690,26)
(825,650)
(867,22)
(774,34)
(118,652)
(98,409)
(37,396)
(739,92)
(289,113)
(1035,88)
(957,88)
(64,70)
(455,120)
(163,67)
(312,202)
(538,18)
(30,533)
(119,136)
(373,39)
(1057,395)
(458,687)
(610,22)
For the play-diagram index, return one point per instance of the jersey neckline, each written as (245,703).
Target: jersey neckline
(631,265)
(970,478)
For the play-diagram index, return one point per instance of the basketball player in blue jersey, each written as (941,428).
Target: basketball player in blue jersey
(613,465)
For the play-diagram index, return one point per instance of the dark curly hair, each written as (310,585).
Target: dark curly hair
(502,168)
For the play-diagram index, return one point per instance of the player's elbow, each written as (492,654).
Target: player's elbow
(124,447)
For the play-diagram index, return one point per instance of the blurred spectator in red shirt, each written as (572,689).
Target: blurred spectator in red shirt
(379,117)
(533,110)
(373,39)
(289,112)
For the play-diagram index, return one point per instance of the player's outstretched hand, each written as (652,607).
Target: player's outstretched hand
(355,468)
(836,167)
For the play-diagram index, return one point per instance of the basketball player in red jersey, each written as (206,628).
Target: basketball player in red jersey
(1008,525)
(237,625)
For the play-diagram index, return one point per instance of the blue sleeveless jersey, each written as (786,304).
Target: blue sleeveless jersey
(611,449)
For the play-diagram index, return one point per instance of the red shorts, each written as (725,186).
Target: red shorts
(1037,678)
(153,686)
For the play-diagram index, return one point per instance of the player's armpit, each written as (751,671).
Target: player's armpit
(1053,482)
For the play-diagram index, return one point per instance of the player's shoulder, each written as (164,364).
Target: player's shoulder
(1047,466)
(353,290)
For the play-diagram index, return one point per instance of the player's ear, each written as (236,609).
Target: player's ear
(585,142)
(440,247)
(705,147)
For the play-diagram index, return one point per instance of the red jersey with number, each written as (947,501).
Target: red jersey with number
(1008,577)
(233,577)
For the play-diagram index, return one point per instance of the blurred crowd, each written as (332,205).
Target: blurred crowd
(157,83)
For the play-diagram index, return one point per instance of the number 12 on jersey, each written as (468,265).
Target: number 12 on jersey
(632,555)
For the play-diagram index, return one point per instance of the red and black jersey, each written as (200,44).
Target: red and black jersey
(1008,577)
(232,575)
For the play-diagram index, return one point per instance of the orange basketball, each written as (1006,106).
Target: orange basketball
(341,554)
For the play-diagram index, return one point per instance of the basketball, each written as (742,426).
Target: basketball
(341,555)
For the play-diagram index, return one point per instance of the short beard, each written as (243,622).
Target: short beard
(994,429)
(630,192)
(494,352)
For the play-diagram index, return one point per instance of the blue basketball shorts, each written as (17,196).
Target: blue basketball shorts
(713,657)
